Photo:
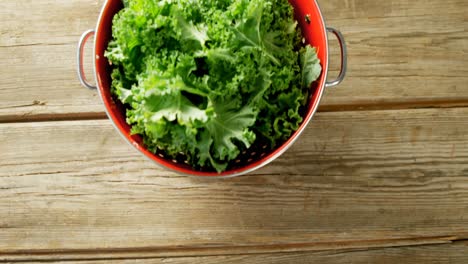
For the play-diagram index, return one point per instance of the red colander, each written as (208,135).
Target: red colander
(311,22)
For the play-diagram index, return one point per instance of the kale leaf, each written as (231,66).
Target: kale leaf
(209,78)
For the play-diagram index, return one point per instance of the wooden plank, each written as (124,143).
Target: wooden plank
(354,180)
(402,54)
(38,54)
(207,250)
(456,253)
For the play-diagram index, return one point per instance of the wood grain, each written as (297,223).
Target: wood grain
(38,69)
(456,253)
(354,180)
(402,54)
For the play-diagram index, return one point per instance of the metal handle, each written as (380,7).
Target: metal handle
(81,75)
(344,58)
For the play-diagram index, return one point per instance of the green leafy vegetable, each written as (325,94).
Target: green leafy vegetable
(310,65)
(209,78)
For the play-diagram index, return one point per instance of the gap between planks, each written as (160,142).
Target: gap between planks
(206,251)
(53,117)
(462,103)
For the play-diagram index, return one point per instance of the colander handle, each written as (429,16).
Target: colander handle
(344,58)
(81,44)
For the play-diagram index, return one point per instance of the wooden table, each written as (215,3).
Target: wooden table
(380,176)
